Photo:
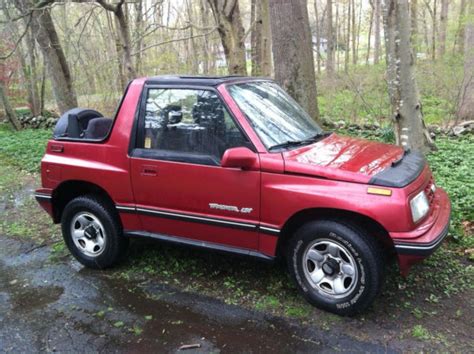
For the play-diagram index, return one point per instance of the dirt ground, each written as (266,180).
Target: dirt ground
(49,302)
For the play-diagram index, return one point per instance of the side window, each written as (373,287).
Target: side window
(188,125)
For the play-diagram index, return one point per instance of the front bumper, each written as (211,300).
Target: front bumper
(413,246)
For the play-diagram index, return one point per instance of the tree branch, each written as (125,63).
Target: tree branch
(172,41)
(17,42)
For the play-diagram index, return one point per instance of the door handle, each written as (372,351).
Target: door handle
(148,170)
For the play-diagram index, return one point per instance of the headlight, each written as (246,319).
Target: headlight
(419,206)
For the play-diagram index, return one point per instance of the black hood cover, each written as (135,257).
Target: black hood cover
(402,172)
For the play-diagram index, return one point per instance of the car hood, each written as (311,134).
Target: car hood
(343,158)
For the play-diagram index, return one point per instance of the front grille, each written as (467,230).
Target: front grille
(429,191)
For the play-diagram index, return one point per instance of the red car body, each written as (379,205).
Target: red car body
(171,200)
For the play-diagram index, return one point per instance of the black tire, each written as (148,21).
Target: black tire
(115,244)
(366,265)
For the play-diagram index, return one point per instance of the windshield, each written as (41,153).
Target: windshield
(275,116)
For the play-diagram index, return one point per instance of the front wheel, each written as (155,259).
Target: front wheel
(92,232)
(336,266)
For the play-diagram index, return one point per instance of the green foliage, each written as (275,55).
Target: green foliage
(453,168)
(420,332)
(24,148)
(436,110)
(361,94)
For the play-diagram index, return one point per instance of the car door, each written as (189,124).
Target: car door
(180,189)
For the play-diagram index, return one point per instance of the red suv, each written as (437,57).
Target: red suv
(234,164)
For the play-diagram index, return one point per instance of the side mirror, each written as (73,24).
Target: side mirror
(239,157)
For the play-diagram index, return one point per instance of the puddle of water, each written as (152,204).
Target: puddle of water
(28,299)
(64,307)
(18,199)
(23,196)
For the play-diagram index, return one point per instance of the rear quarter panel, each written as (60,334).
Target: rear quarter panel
(105,164)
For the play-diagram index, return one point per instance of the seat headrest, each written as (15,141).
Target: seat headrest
(98,128)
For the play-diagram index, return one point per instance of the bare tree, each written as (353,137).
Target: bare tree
(369,35)
(232,33)
(354,33)
(119,10)
(330,40)
(410,130)
(256,37)
(443,25)
(377,30)
(260,38)
(27,59)
(203,13)
(43,27)
(434,27)
(10,113)
(266,48)
(348,36)
(466,97)
(459,38)
(293,52)
(318,36)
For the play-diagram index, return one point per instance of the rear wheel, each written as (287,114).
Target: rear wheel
(92,232)
(336,266)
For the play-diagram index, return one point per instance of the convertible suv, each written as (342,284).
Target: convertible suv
(235,165)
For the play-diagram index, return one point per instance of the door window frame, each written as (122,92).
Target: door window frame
(138,128)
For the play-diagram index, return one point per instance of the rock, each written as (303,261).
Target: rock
(51,121)
(340,124)
(463,128)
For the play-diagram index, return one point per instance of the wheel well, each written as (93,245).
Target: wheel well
(69,190)
(364,222)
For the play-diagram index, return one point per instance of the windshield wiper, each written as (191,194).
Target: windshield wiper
(307,141)
(287,144)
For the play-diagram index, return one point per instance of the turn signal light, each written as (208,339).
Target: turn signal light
(379,191)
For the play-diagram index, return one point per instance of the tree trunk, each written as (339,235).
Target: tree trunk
(193,57)
(377,31)
(293,52)
(231,31)
(459,38)
(122,79)
(443,24)
(330,41)
(337,38)
(369,36)
(466,97)
(138,33)
(42,25)
(354,33)
(407,115)
(28,62)
(256,37)
(124,35)
(348,37)
(10,113)
(414,27)
(203,12)
(318,36)
(433,13)
(266,66)
(33,75)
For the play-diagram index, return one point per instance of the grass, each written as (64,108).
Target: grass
(420,332)
(23,149)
